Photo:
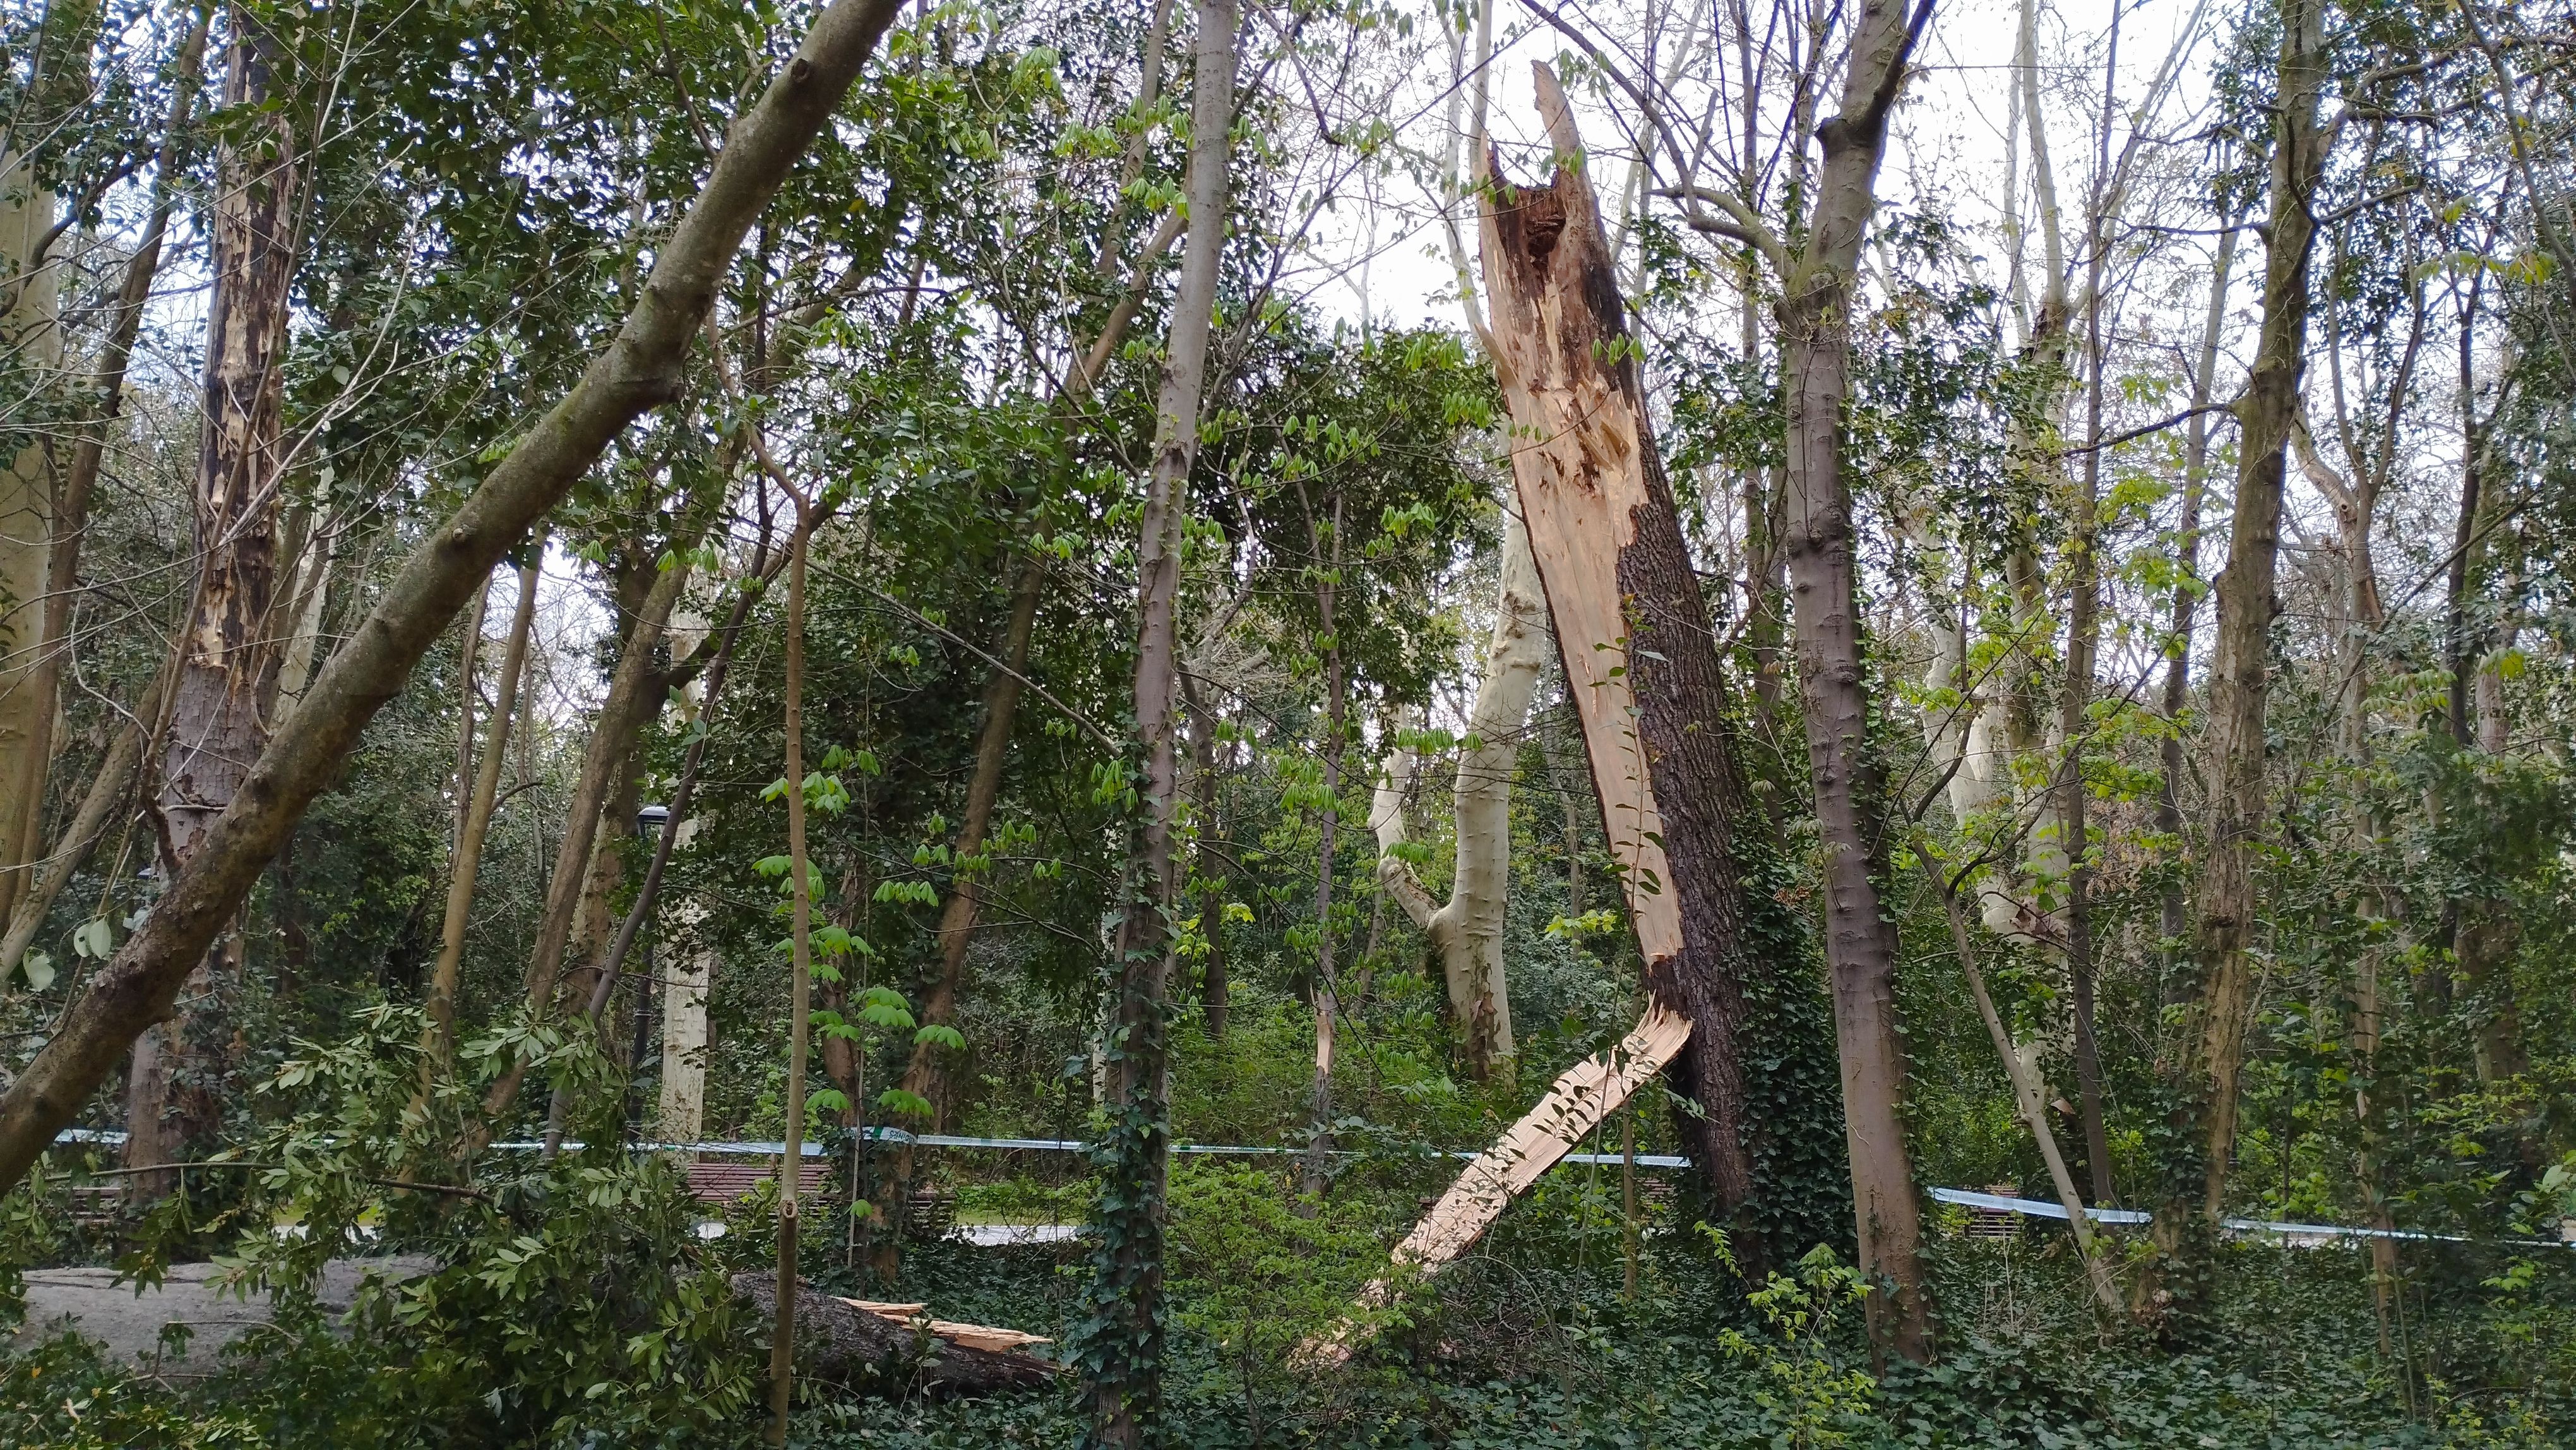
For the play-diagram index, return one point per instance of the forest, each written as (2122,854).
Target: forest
(1499,724)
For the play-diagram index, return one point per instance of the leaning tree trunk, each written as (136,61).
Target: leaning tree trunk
(228,663)
(2201,1067)
(641,369)
(1120,1346)
(1631,626)
(1467,931)
(1816,299)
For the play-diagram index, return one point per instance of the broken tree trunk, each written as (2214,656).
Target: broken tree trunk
(838,1343)
(1631,627)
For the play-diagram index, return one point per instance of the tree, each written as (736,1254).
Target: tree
(1121,1346)
(639,370)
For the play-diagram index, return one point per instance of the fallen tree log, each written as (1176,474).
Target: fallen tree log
(841,1344)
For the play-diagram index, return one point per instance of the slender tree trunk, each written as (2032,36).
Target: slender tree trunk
(630,706)
(2083,637)
(2172,920)
(2030,1096)
(1467,930)
(228,670)
(782,1339)
(1632,629)
(2201,1072)
(466,863)
(30,298)
(1860,940)
(1319,1102)
(1204,779)
(1121,1347)
(110,789)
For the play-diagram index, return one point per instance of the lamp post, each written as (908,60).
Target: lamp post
(649,821)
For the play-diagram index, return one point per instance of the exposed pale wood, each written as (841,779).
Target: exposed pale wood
(1581,1100)
(973,1336)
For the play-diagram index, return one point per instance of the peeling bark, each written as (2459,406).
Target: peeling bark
(227,679)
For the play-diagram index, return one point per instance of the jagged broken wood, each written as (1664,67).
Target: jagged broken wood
(973,1336)
(838,1343)
(1581,1100)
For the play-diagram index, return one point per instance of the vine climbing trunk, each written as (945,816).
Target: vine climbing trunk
(1632,628)
(1814,315)
(2200,1065)
(227,678)
(1120,1346)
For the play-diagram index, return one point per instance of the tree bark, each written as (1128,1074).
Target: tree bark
(641,369)
(2201,1070)
(1122,1348)
(1632,629)
(1467,930)
(30,299)
(221,699)
(925,1074)
(1860,941)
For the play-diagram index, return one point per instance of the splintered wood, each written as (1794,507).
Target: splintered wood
(973,1336)
(1589,1092)
(1579,1101)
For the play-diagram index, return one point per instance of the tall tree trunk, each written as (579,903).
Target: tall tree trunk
(1467,930)
(1121,1347)
(227,676)
(2083,637)
(30,298)
(641,369)
(466,863)
(1632,629)
(2201,1069)
(2482,930)
(1860,940)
